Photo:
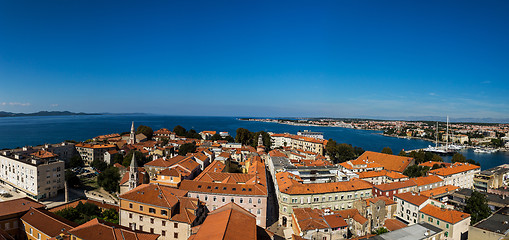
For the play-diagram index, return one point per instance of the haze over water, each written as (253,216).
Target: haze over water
(30,131)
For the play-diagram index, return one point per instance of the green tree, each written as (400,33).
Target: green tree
(387,150)
(179,131)
(381,230)
(458,157)
(140,158)
(109,179)
(110,215)
(497,142)
(243,136)
(416,171)
(186,148)
(146,130)
(341,152)
(402,153)
(165,141)
(229,139)
(477,207)
(117,158)
(99,165)
(193,134)
(75,161)
(216,137)
(72,179)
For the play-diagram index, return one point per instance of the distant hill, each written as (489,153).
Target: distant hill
(43,113)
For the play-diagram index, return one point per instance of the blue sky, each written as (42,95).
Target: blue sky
(257,58)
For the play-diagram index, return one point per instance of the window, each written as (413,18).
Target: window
(259,200)
(141,218)
(175,225)
(175,235)
(39,236)
(164,212)
(438,222)
(215,199)
(163,233)
(141,208)
(258,211)
(141,227)
(130,215)
(151,220)
(151,210)
(241,200)
(223,199)
(31,231)
(447,225)
(422,215)
(250,200)
(446,234)
(163,223)
(151,230)
(130,205)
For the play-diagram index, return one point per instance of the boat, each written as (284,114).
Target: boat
(442,150)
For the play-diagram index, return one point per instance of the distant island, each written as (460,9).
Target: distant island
(43,113)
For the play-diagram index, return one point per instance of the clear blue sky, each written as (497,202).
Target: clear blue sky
(257,58)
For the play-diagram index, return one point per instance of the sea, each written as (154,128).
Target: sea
(30,131)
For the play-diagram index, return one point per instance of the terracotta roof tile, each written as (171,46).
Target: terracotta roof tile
(454,169)
(289,185)
(99,229)
(439,190)
(47,222)
(426,180)
(395,185)
(411,197)
(388,161)
(394,224)
(18,206)
(446,215)
(153,194)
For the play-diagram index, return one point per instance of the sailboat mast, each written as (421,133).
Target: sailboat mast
(447,132)
(436,138)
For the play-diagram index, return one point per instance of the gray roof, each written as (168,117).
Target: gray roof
(492,198)
(497,223)
(412,232)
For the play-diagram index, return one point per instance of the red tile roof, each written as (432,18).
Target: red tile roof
(411,197)
(47,222)
(439,190)
(394,224)
(153,194)
(311,219)
(388,161)
(446,215)
(99,229)
(18,206)
(454,169)
(395,185)
(228,222)
(426,180)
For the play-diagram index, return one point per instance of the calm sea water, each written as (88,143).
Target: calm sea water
(25,131)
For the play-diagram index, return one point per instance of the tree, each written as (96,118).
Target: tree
(146,130)
(216,137)
(72,179)
(229,139)
(243,136)
(416,171)
(477,207)
(402,153)
(99,165)
(165,141)
(387,150)
(436,166)
(381,230)
(140,158)
(193,134)
(458,157)
(179,130)
(266,140)
(117,158)
(497,142)
(109,179)
(75,161)
(341,152)
(110,215)
(187,148)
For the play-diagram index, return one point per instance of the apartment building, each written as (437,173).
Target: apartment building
(381,176)
(161,210)
(292,193)
(458,174)
(408,206)
(427,182)
(91,152)
(491,179)
(298,142)
(454,223)
(216,188)
(39,175)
